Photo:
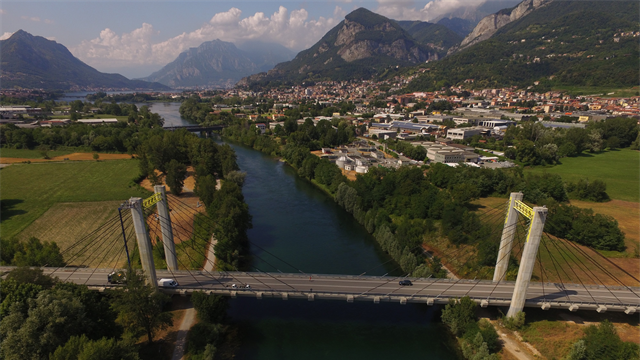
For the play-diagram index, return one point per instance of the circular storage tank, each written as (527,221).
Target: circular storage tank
(340,163)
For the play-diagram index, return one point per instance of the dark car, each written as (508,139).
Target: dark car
(116,277)
(406,282)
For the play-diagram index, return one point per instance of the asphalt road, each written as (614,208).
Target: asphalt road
(369,287)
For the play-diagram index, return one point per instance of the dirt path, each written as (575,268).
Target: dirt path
(181,340)
(514,348)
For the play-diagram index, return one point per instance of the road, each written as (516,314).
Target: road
(376,289)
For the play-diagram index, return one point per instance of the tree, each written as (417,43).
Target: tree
(36,253)
(53,317)
(210,308)
(206,188)
(82,348)
(27,275)
(236,176)
(139,307)
(176,173)
(603,343)
(96,156)
(458,314)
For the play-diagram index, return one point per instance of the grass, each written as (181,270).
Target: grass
(29,190)
(31,154)
(65,223)
(552,338)
(620,169)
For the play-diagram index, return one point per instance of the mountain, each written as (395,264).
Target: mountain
(219,64)
(436,36)
(360,46)
(491,23)
(560,44)
(34,62)
(266,55)
(460,26)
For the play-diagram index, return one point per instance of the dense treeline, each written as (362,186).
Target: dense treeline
(46,319)
(533,144)
(167,154)
(478,339)
(312,136)
(121,137)
(601,342)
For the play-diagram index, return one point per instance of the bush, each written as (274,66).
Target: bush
(514,323)
(457,315)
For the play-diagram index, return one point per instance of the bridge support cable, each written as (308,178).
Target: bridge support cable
(175,254)
(206,218)
(593,275)
(95,242)
(99,244)
(106,253)
(528,259)
(167,233)
(177,259)
(102,229)
(605,270)
(502,255)
(194,235)
(562,254)
(184,206)
(553,261)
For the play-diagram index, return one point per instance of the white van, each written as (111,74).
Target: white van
(167,283)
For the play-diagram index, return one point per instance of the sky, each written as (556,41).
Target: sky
(136,38)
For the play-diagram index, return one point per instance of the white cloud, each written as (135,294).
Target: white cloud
(2,12)
(47,21)
(292,29)
(33,18)
(406,9)
(6,35)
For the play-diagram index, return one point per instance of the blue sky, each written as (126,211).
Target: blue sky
(135,38)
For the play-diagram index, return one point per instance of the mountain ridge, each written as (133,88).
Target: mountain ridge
(30,61)
(358,47)
(217,63)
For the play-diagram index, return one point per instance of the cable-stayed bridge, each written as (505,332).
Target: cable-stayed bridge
(577,278)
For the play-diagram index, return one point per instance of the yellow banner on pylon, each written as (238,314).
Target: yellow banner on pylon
(151,200)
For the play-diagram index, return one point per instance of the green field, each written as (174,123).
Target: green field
(29,190)
(31,154)
(620,169)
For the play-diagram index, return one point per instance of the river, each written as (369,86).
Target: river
(298,227)
(297,222)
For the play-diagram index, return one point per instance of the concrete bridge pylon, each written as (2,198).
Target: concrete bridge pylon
(144,242)
(506,242)
(167,230)
(528,260)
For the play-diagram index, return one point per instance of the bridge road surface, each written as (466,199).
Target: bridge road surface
(373,288)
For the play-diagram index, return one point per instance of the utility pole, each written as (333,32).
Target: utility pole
(167,230)
(144,243)
(506,242)
(529,254)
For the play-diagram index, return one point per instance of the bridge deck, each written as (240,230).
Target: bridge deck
(376,289)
